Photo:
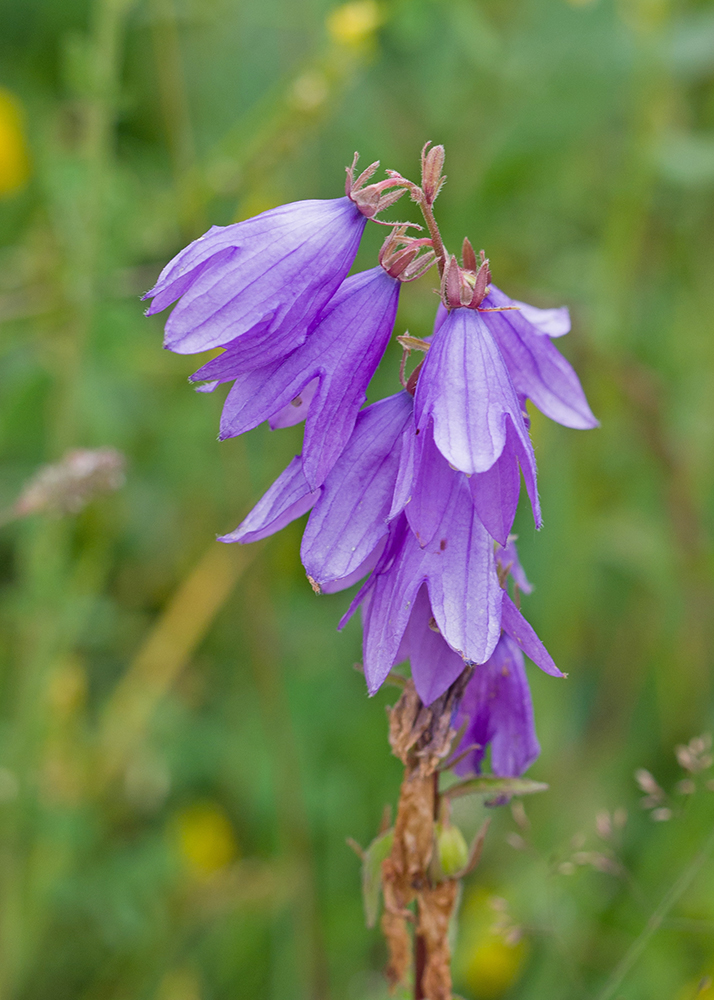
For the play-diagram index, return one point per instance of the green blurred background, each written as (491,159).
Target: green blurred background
(184,745)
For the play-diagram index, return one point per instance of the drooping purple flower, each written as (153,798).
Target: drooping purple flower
(350,519)
(347,527)
(341,353)
(497,704)
(434,664)
(260,284)
(538,370)
(459,569)
(465,388)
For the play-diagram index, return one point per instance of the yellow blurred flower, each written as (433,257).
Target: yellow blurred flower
(493,966)
(179,984)
(702,987)
(491,950)
(354,23)
(205,838)
(14,159)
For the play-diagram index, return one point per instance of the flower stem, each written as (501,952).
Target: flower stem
(427,211)
(419,964)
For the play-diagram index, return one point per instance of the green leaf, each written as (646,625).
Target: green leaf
(372,860)
(489,784)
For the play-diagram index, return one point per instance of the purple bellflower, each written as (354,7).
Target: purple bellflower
(497,704)
(258,285)
(418,491)
(261,284)
(523,335)
(347,528)
(332,368)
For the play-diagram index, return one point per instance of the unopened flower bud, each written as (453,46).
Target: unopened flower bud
(452,852)
(431,173)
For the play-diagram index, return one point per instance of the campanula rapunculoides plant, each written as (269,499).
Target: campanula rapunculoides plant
(415,495)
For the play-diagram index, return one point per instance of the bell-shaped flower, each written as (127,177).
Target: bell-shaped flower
(459,569)
(260,283)
(435,665)
(498,710)
(346,530)
(465,388)
(341,354)
(425,480)
(538,370)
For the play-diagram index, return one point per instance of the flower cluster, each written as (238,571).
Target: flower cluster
(416,492)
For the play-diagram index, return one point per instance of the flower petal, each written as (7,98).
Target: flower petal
(497,703)
(465,387)
(547,322)
(287,499)
(525,638)
(435,666)
(342,353)
(350,518)
(537,368)
(431,489)
(495,495)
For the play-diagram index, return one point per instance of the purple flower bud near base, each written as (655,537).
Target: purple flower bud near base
(497,703)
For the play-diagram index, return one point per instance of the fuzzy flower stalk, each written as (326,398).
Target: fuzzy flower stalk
(413,496)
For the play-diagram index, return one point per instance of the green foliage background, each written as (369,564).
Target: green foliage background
(173,812)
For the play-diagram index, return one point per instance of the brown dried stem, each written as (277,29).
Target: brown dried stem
(422,738)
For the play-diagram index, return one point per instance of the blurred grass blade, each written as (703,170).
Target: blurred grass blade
(168,648)
(489,784)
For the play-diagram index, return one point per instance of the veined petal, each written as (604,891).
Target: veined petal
(465,388)
(435,666)
(495,494)
(408,464)
(351,516)
(497,703)
(459,569)
(287,499)
(268,277)
(537,368)
(463,584)
(525,638)
(341,353)
(431,488)
(547,322)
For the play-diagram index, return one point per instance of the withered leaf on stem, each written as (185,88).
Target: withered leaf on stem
(436,904)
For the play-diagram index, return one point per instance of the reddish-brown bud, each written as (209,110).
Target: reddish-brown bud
(401,255)
(483,279)
(432,165)
(468,256)
(371,199)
